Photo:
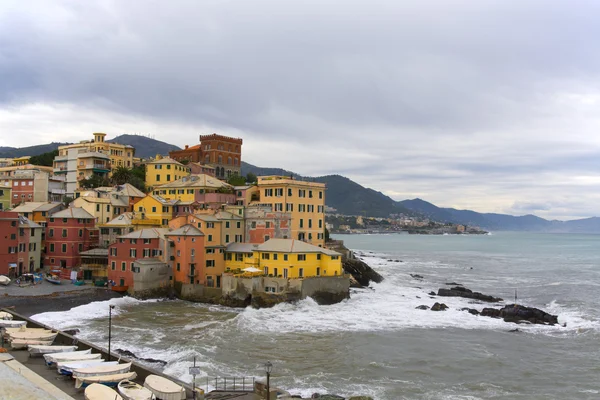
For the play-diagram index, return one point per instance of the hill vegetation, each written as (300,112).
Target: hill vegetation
(145,147)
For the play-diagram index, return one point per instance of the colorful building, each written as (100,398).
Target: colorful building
(285,258)
(5,196)
(9,242)
(154,210)
(222,152)
(262,224)
(100,208)
(164,170)
(32,183)
(122,197)
(304,201)
(207,191)
(145,243)
(68,233)
(188,255)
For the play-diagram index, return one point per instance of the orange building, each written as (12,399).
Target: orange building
(222,152)
(188,255)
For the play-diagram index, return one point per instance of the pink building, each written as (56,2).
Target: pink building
(68,233)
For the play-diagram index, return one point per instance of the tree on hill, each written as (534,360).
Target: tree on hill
(134,176)
(45,159)
(236,180)
(93,182)
(250,178)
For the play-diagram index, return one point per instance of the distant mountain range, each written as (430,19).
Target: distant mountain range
(350,198)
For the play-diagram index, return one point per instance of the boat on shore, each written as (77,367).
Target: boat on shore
(96,391)
(18,344)
(35,349)
(54,279)
(6,316)
(134,391)
(68,367)
(163,388)
(4,280)
(6,323)
(120,289)
(68,356)
(98,370)
(29,335)
(108,380)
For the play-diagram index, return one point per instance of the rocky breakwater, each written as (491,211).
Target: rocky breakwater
(521,314)
(510,313)
(361,272)
(459,291)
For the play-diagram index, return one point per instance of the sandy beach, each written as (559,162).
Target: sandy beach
(34,299)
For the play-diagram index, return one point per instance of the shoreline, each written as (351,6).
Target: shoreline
(29,305)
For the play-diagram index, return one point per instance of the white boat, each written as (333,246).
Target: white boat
(5,315)
(69,356)
(102,370)
(25,343)
(32,336)
(4,280)
(108,380)
(38,349)
(73,358)
(67,367)
(133,391)
(4,323)
(163,388)
(97,391)
(23,329)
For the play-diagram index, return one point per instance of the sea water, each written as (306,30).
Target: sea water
(377,343)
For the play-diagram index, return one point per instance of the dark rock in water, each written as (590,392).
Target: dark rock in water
(521,314)
(470,310)
(432,293)
(439,307)
(361,272)
(71,332)
(422,307)
(390,260)
(360,398)
(515,330)
(459,291)
(327,396)
(129,354)
(453,284)
(416,276)
(398,261)
(418,297)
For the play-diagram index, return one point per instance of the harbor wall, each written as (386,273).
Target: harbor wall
(64,339)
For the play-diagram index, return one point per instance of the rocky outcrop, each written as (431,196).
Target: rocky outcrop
(416,276)
(459,291)
(521,314)
(129,354)
(439,307)
(362,273)
(470,310)
(422,307)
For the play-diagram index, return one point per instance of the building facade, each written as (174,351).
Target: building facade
(68,233)
(164,170)
(188,255)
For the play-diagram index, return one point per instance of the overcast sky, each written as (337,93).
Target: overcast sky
(485,105)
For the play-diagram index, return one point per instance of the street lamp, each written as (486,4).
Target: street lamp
(110,308)
(268,369)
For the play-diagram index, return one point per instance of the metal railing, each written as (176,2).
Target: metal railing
(231,384)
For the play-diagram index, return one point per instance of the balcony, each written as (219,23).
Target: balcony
(60,170)
(58,191)
(96,167)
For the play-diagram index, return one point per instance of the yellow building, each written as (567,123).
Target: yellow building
(285,258)
(305,201)
(202,189)
(99,207)
(153,210)
(164,170)
(121,155)
(21,160)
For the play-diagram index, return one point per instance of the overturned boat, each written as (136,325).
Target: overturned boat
(40,349)
(163,388)
(133,391)
(67,368)
(96,391)
(108,380)
(98,370)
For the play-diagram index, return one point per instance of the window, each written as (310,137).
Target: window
(146,241)
(210,251)
(320,223)
(210,238)
(267,224)
(13,236)
(279,192)
(157,178)
(310,223)
(193,253)
(80,247)
(52,247)
(239,224)
(301,193)
(267,237)
(132,267)
(210,263)
(226,224)
(320,195)
(80,233)
(123,266)
(268,192)
(318,271)
(64,248)
(239,257)
(275,257)
(238,239)
(318,256)
(226,238)
(113,251)
(266,270)
(301,223)
(301,257)
(178,253)
(300,272)
(289,192)
(97,207)
(133,241)
(285,257)
(278,206)
(168,177)
(266,256)
(310,194)
(64,233)
(289,207)
(335,257)
(146,253)
(210,225)
(274,271)
(113,265)
(132,253)
(178,267)
(285,273)
(154,209)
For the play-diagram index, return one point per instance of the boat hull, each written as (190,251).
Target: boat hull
(96,391)
(40,350)
(133,391)
(101,370)
(120,289)
(18,344)
(163,388)
(108,380)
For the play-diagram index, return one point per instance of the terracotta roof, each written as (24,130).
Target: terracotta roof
(73,212)
(294,246)
(186,230)
(199,180)
(146,233)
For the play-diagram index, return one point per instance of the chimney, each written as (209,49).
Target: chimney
(186,146)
